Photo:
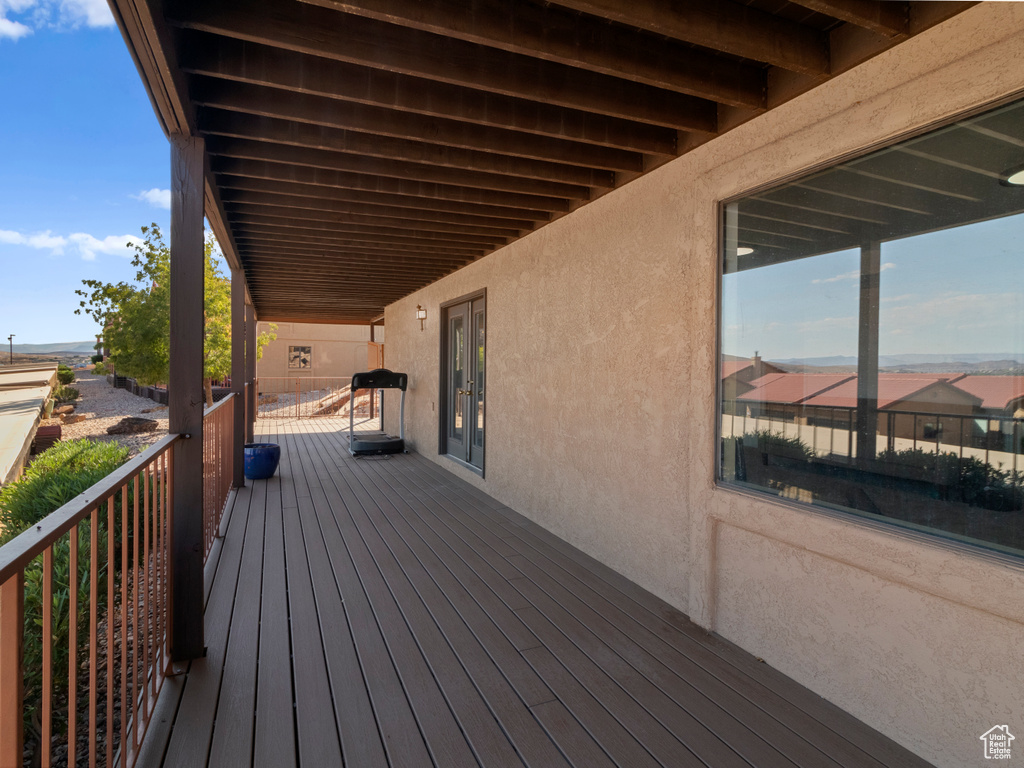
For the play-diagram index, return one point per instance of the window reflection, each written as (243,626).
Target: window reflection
(873,335)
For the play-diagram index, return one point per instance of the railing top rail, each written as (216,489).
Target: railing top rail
(881,411)
(304,378)
(19,551)
(218,404)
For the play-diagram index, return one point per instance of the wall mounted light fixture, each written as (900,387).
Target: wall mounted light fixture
(421,315)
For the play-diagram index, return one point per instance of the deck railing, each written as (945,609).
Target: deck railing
(98,568)
(830,431)
(218,442)
(304,397)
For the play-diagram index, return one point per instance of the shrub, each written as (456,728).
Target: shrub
(55,477)
(65,375)
(99,369)
(774,443)
(65,394)
(96,358)
(967,479)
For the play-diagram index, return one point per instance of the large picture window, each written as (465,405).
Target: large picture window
(872,335)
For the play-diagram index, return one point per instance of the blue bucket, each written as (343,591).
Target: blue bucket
(261,460)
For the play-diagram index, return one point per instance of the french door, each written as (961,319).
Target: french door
(464,370)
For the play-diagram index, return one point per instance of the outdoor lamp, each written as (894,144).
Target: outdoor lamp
(421,315)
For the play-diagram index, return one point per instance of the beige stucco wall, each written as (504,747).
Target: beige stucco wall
(338,350)
(601,414)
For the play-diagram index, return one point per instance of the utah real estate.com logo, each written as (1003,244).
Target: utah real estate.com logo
(997,742)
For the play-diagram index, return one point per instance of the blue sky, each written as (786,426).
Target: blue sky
(83,163)
(949,292)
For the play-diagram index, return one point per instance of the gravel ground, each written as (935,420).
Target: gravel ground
(105,406)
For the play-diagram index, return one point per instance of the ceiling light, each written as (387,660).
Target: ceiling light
(1014,177)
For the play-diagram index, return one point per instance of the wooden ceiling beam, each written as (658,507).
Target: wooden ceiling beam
(269,224)
(334,113)
(365,42)
(254,227)
(393,237)
(285,132)
(358,285)
(337,262)
(721,26)
(265,65)
(314,253)
(313,248)
(347,274)
(366,226)
(342,212)
(337,286)
(288,315)
(550,33)
(889,18)
(397,204)
(400,169)
(356,182)
(268,197)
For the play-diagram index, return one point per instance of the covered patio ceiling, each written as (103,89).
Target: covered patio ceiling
(359,150)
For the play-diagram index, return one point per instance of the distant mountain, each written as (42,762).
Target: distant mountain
(969,360)
(70,347)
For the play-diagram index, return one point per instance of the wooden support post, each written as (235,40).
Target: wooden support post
(352,396)
(238,376)
(12,632)
(185,395)
(867,353)
(250,371)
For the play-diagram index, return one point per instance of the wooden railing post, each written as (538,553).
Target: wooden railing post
(238,376)
(185,392)
(12,621)
(250,370)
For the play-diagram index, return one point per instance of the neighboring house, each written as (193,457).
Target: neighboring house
(313,350)
(23,393)
(1000,395)
(737,375)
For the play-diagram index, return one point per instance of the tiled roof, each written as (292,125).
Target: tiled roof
(792,387)
(892,387)
(993,391)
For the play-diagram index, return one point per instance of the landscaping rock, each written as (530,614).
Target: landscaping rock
(267,399)
(72,418)
(131,425)
(153,410)
(63,410)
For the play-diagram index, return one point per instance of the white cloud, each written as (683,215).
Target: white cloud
(854,275)
(114,245)
(59,14)
(12,30)
(86,245)
(94,13)
(42,240)
(158,198)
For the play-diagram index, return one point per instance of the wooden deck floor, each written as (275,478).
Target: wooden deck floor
(383,612)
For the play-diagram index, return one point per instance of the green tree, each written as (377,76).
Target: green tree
(136,317)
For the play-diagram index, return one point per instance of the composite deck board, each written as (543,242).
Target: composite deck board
(189,740)
(476,722)
(489,660)
(647,610)
(383,612)
(274,743)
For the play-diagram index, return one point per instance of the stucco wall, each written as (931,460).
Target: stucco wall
(601,413)
(337,350)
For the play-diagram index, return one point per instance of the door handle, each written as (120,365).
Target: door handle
(466,392)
